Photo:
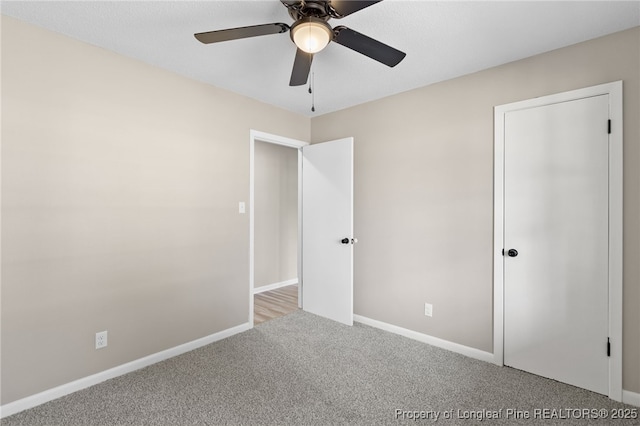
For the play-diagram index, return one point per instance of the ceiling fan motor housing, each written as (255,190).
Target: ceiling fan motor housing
(320,9)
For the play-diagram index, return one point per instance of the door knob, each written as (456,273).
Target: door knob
(345,241)
(512,253)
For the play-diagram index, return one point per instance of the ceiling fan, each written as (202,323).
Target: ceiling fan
(311,33)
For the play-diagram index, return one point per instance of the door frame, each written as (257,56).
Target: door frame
(258,136)
(614,90)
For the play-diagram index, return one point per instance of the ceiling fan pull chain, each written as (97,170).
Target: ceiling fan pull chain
(313,94)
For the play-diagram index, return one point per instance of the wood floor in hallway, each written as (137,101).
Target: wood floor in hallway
(275,303)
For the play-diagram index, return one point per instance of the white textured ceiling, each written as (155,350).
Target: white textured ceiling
(442,39)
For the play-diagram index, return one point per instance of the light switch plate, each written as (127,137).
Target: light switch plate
(428,309)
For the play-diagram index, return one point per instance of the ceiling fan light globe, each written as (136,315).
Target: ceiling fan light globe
(311,36)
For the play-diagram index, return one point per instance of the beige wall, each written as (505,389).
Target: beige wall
(424,197)
(276,214)
(121,182)
(120,191)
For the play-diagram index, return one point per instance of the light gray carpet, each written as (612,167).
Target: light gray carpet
(304,370)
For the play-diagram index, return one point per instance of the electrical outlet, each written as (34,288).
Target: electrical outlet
(241,207)
(428,309)
(101,339)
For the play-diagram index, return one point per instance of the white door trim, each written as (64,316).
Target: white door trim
(614,90)
(255,135)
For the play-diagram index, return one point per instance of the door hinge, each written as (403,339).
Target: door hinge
(608,347)
(609,126)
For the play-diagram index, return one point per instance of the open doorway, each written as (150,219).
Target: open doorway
(276,303)
(275,261)
(275,240)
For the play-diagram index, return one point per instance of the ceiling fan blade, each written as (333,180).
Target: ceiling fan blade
(241,32)
(368,46)
(347,7)
(301,68)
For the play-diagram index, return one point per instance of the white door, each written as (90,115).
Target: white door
(327,220)
(556,218)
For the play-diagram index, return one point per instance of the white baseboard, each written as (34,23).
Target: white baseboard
(631,398)
(274,286)
(85,382)
(628,397)
(425,338)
